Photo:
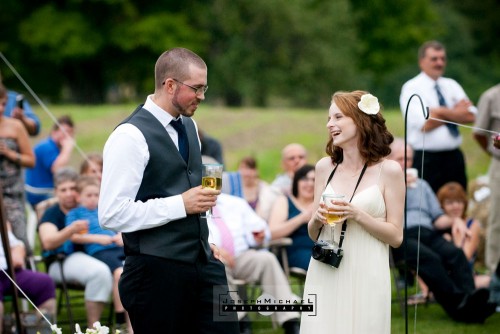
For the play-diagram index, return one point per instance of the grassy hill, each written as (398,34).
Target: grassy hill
(242,131)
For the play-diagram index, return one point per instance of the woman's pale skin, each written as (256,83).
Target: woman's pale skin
(279,224)
(469,239)
(345,134)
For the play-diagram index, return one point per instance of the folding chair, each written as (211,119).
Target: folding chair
(278,247)
(71,293)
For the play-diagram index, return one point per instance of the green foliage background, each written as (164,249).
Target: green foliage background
(259,52)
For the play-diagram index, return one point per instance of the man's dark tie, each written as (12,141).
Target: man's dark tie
(183,140)
(442,102)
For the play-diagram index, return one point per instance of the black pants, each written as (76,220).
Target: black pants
(442,266)
(441,167)
(165,296)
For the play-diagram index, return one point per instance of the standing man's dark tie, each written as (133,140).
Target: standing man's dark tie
(183,141)
(442,102)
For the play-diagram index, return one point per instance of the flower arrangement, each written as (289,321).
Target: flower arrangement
(369,104)
(97,329)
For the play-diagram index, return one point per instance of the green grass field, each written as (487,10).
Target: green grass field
(244,131)
(263,133)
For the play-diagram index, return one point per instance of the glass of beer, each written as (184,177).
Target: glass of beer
(333,217)
(212,178)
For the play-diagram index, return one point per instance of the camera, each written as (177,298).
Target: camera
(327,253)
(20,100)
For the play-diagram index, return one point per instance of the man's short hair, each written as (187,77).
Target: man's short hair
(429,45)
(174,63)
(65,174)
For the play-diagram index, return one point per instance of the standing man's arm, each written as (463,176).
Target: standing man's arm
(125,158)
(483,121)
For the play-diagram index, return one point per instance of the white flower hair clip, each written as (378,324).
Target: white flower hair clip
(369,104)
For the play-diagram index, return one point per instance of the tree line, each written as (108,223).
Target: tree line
(259,52)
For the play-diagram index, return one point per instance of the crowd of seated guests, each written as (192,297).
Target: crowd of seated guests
(285,205)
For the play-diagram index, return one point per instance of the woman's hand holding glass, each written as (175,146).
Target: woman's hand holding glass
(335,208)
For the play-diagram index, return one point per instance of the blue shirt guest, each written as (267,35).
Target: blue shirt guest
(151,192)
(51,154)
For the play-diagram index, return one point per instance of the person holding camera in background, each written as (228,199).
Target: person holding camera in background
(354,295)
(18,107)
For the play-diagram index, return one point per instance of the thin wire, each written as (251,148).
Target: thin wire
(54,119)
(40,102)
(420,198)
(465,126)
(25,296)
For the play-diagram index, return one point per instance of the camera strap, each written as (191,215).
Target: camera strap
(344,224)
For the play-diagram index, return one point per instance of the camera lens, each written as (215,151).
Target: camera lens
(318,252)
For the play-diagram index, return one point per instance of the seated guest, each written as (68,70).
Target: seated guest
(293,156)
(92,165)
(290,215)
(104,245)
(441,265)
(453,200)
(39,287)
(77,266)
(236,228)
(211,147)
(245,183)
(51,154)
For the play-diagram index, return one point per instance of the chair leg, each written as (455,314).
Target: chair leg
(67,297)
(111,313)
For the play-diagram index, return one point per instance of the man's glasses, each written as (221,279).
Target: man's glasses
(197,90)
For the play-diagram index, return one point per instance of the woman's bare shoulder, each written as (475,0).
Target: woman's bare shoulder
(324,164)
(391,168)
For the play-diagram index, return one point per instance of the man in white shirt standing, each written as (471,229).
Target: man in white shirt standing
(447,101)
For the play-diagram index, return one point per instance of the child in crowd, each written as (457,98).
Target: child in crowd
(105,245)
(92,165)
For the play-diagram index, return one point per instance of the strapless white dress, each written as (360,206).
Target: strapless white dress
(356,297)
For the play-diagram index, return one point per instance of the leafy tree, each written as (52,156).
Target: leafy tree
(391,32)
(258,51)
(302,51)
(88,46)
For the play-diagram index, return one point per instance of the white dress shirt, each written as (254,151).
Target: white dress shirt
(438,139)
(126,156)
(241,220)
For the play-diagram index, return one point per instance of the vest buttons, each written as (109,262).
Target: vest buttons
(189,172)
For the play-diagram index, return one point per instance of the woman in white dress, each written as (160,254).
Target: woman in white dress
(355,297)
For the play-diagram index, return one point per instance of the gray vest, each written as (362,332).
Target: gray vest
(167,174)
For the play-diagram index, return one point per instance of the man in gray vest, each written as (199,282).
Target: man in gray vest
(151,192)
